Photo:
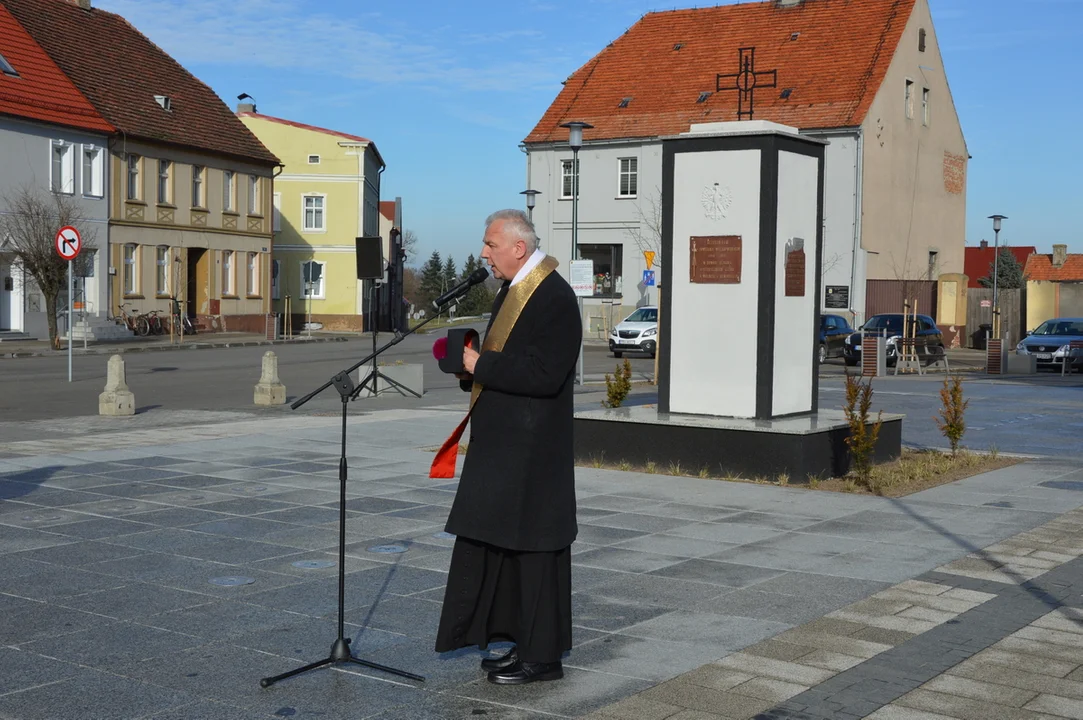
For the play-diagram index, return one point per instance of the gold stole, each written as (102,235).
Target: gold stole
(443,465)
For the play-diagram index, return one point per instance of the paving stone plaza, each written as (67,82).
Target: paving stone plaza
(159,566)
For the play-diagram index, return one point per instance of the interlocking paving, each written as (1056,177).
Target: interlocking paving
(693,599)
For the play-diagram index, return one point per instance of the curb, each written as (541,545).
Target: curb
(120,350)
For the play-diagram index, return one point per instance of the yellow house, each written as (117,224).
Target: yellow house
(327,195)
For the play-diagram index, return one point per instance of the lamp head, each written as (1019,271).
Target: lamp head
(996,221)
(575,133)
(530,197)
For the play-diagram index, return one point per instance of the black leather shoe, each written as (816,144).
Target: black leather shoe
(501,663)
(522,673)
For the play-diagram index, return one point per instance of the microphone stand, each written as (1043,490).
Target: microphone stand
(340,650)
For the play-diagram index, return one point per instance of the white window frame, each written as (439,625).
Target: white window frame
(96,186)
(133,175)
(130,272)
(65,184)
(165,185)
(313,162)
(925,106)
(908,99)
(199,174)
(276,274)
(161,277)
(321,284)
(567,170)
(252,261)
(322,209)
(229,191)
(276,211)
(254,195)
(229,274)
(632,175)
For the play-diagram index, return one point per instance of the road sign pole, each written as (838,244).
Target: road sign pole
(70,334)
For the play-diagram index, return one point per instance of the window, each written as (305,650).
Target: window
(909,98)
(197,187)
(276,267)
(161,260)
(277,212)
(253,195)
(312,279)
(629,175)
(131,269)
(921,40)
(313,159)
(227,191)
(133,178)
(93,171)
(228,286)
(253,274)
(314,213)
(6,68)
(607,268)
(932,264)
(567,176)
(63,170)
(165,194)
(925,106)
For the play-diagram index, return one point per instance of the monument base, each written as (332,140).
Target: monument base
(802,446)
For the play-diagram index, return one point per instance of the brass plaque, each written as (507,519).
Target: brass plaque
(795,268)
(715,259)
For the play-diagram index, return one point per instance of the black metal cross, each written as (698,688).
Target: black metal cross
(746,81)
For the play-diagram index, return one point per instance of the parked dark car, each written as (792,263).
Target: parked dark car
(1049,343)
(923,329)
(834,329)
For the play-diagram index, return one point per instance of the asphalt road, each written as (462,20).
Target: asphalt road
(37,388)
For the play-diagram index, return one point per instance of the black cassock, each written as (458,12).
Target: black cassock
(514,512)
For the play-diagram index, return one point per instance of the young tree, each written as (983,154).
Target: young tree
(480,298)
(1010,275)
(647,234)
(432,280)
(28,226)
(409,245)
(451,274)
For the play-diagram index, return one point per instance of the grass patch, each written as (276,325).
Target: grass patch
(914,471)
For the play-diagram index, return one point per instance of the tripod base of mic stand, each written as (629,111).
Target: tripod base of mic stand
(375,375)
(340,653)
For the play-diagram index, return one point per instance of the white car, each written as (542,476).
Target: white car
(636,333)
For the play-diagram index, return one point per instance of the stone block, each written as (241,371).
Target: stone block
(269,390)
(117,399)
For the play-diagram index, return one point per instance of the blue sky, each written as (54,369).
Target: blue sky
(448,90)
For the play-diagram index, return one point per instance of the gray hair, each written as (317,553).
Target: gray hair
(517,225)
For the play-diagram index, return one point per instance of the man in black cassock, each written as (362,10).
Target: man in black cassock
(514,512)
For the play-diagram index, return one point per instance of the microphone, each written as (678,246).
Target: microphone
(462,288)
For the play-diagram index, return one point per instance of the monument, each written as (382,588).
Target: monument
(742,229)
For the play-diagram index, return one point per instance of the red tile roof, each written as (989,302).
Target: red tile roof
(41,91)
(1040,267)
(387,209)
(120,71)
(977,261)
(834,68)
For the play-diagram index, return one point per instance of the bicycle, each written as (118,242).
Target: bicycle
(157,327)
(135,322)
(180,321)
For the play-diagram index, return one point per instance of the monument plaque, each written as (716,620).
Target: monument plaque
(715,259)
(795,268)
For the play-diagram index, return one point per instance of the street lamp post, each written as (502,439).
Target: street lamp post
(996,271)
(575,141)
(530,202)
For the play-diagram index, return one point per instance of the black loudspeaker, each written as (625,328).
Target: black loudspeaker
(449,351)
(370,258)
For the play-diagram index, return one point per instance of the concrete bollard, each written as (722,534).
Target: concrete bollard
(117,398)
(269,390)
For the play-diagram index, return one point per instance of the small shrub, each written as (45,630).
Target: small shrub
(624,465)
(705,473)
(618,385)
(598,461)
(994,453)
(813,482)
(783,479)
(951,421)
(674,468)
(862,438)
(652,467)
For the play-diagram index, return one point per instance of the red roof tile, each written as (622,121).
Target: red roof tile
(1040,267)
(120,71)
(977,260)
(41,91)
(834,68)
(387,209)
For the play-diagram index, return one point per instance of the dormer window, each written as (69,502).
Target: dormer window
(6,68)
(164,102)
(313,159)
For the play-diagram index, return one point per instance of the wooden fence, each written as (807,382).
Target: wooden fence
(979,315)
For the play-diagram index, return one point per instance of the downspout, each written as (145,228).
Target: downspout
(858,180)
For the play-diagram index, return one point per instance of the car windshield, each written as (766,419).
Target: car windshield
(1059,327)
(643,315)
(889,323)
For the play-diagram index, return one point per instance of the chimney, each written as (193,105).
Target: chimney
(984,244)
(246,108)
(1060,255)
(84,4)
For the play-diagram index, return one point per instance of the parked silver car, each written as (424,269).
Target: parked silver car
(1050,343)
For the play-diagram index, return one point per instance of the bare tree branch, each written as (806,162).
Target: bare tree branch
(29,220)
(647,235)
